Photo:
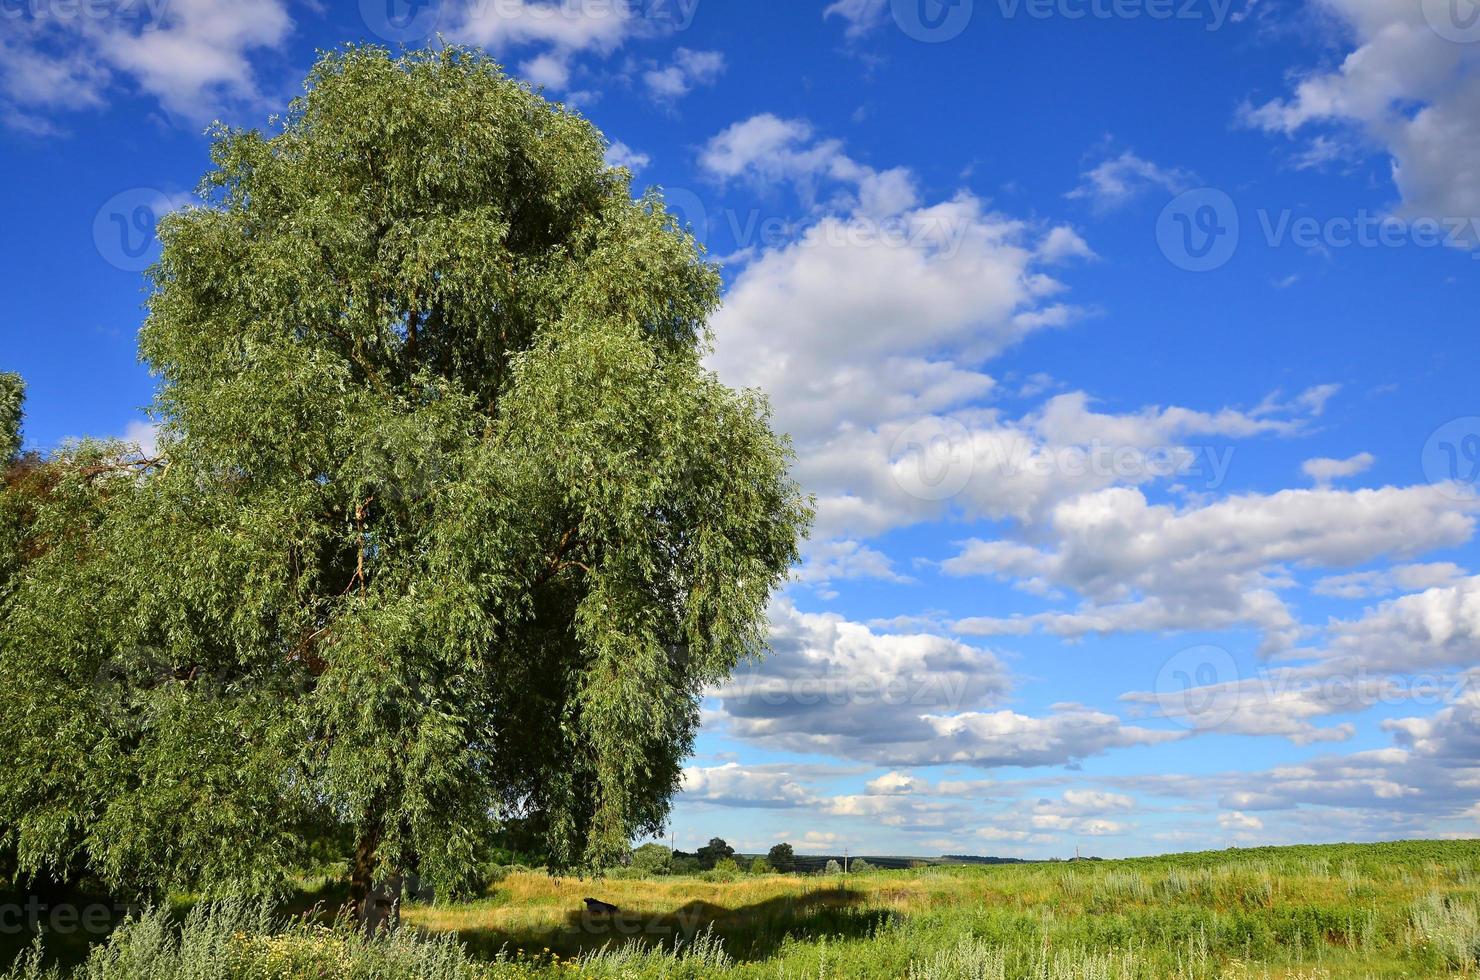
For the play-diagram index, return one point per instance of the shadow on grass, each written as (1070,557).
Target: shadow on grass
(749,932)
(71,920)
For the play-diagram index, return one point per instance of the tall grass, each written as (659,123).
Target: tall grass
(240,940)
(1449,928)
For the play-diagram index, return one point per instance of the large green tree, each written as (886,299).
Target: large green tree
(782,858)
(14,518)
(715,851)
(449,526)
(12,399)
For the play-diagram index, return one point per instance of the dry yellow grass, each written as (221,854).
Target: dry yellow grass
(537,911)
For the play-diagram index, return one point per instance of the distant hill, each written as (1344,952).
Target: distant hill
(817,862)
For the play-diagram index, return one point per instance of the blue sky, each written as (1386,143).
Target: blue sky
(1127,347)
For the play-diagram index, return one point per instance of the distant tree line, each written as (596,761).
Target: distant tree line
(716,856)
(719,858)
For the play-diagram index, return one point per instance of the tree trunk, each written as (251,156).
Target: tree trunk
(371,904)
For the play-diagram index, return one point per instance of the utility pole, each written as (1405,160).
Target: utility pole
(845,859)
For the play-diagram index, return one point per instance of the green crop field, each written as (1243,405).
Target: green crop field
(1377,910)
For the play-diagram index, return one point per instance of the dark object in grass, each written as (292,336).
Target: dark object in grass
(597,907)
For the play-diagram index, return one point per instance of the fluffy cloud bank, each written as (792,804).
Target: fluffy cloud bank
(837,687)
(1141,566)
(193,56)
(1411,84)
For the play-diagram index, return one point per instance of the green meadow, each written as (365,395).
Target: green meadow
(1375,910)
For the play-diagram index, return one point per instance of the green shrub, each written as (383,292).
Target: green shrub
(653,858)
(725,869)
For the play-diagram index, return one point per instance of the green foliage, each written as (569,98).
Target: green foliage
(760,867)
(832,868)
(782,858)
(12,399)
(859,865)
(715,851)
(19,482)
(653,858)
(725,869)
(452,526)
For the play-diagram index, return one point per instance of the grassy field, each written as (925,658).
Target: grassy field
(1382,910)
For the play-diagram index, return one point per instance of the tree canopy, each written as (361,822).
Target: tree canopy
(715,851)
(449,525)
(782,857)
(653,857)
